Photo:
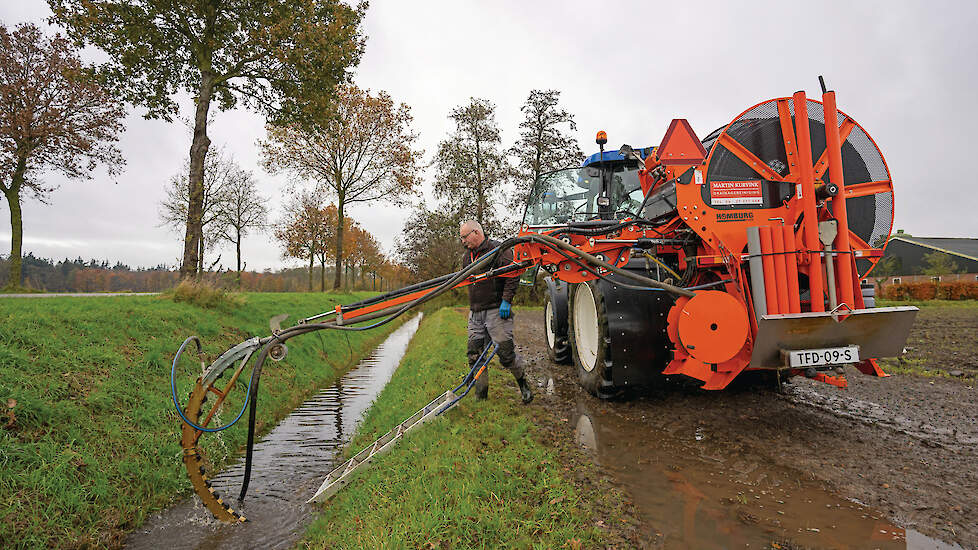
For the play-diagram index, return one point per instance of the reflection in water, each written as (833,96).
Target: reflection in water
(585,433)
(695,495)
(289,464)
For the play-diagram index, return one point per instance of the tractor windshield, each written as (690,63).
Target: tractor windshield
(571,195)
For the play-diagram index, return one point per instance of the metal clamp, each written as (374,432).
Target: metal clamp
(835,312)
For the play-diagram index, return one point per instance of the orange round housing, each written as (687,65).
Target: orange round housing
(713,326)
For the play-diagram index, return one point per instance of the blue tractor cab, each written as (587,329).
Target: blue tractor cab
(575,194)
(611,157)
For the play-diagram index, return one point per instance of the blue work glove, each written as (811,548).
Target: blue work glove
(505,310)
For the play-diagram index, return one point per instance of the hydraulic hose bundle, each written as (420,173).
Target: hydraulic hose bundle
(195,421)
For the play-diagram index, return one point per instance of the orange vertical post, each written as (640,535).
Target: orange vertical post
(770,284)
(806,172)
(780,268)
(791,262)
(833,147)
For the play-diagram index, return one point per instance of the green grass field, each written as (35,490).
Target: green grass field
(89,439)
(479,477)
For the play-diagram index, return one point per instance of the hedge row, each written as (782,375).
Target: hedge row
(963,290)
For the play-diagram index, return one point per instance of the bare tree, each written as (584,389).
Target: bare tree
(543,145)
(220,173)
(52,119)
(429,246)
(242,210)
(470,168)
(362,153)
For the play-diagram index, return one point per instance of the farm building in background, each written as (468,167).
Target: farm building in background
(914,259)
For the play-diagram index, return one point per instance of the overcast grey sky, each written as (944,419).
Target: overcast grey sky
(904,70)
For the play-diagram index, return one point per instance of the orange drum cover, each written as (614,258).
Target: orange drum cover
(713,326)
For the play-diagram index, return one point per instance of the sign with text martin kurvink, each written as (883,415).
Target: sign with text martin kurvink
(735,192)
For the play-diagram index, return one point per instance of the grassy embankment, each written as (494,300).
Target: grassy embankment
(479,477)
(89,439)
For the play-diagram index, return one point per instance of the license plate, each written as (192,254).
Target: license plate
(824,356)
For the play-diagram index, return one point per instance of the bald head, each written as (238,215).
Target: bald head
(471,234)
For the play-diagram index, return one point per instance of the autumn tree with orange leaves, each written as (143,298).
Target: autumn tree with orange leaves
(365,253)
(302,231)
(53,119)
(362,153)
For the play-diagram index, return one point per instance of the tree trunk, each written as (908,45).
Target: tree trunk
(200,255)
(16,239)
(337,281)
(198,150)
(480,206)
(237,244)
(16,222)
(312,263)
(322,274)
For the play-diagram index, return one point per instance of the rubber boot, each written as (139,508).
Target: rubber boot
(525,392)
(482,387)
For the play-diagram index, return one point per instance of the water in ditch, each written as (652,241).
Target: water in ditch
(289,465)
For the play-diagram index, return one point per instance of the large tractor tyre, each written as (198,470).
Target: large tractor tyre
(555,322)
(590,341)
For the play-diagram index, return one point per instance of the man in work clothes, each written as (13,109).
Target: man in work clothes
(491,313)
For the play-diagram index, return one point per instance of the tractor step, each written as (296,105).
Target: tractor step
(338,478)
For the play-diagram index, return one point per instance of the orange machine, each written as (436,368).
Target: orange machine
(707,259)
(768,218)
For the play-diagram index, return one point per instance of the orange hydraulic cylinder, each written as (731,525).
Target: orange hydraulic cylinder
(780,268)
(791,262)
(770,282)
(844,263)
(806,171)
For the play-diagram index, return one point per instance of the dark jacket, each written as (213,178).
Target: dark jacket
(488,294)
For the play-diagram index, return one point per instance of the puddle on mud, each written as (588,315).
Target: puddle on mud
(695,495)
(289,465)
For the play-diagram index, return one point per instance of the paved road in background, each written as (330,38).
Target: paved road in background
(78,294)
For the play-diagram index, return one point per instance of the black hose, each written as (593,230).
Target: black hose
(297,330)
(447,283)
(600,230)
(252,412)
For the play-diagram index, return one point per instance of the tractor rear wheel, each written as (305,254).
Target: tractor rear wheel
(555,327)
(590,341)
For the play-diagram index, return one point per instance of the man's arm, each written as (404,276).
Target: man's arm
(509,288)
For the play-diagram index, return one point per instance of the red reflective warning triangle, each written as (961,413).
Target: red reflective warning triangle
(680,145)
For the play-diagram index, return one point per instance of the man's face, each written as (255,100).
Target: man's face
(471,237)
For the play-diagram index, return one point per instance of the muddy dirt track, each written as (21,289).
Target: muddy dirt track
(886,463)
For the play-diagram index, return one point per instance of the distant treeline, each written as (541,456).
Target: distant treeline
(79,275)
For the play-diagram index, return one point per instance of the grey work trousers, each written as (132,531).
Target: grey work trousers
(484,326)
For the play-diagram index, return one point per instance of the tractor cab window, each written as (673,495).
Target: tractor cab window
(571,195)
(626,191)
